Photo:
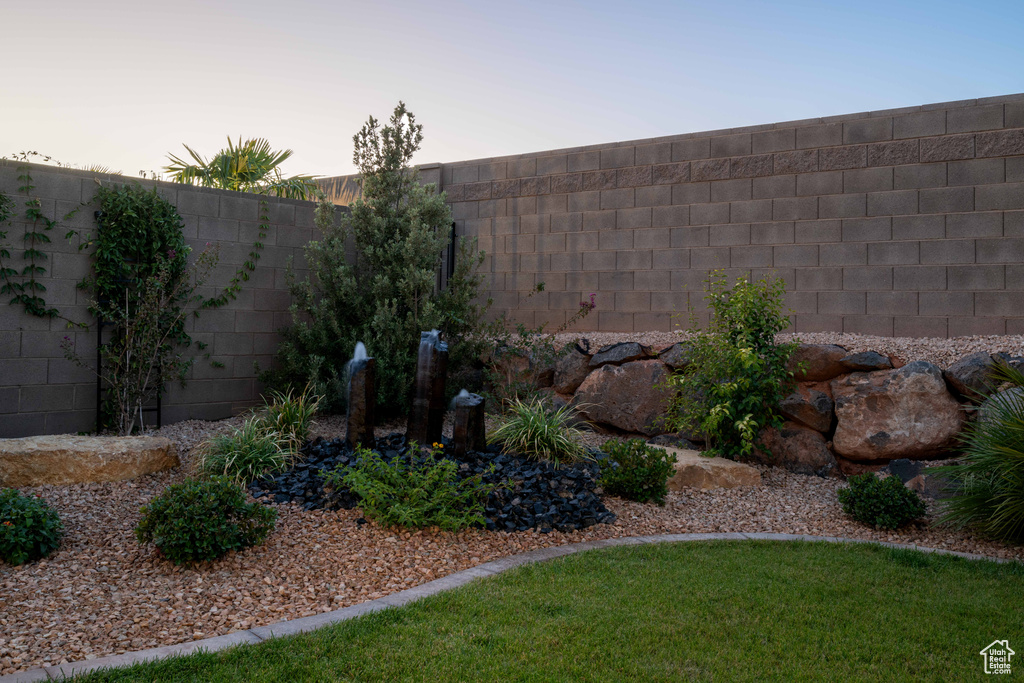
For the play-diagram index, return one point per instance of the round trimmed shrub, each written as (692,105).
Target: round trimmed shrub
(883,503)
(636,470)
(29,528)
(199,520)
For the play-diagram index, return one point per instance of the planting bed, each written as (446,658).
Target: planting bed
(539,495)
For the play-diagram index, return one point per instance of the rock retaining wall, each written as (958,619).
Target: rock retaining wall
(849,412)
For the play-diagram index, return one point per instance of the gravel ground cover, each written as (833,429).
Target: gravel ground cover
(102,593)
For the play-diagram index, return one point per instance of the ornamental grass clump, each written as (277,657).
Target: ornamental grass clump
(253,451)
(533,430)
(29,528)
(414,491)
(988,480)
(291,416)
(882,503)
(199,520)
(635,470)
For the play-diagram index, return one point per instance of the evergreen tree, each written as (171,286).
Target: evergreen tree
(388,293)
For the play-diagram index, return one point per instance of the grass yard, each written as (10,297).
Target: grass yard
(672,612)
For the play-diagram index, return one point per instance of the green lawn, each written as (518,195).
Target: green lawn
(718,611)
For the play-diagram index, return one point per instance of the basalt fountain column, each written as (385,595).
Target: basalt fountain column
(468,433)
(427,414)
(362,399)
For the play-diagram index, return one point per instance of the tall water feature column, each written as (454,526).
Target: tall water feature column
(427,414)
(362,399)
(469,431)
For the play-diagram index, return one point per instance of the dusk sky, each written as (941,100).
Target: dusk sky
(122,84)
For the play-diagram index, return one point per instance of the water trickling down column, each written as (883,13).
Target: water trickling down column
(362,399)
(468,433)
(427,414)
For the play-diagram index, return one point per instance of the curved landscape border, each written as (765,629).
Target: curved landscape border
(294,626)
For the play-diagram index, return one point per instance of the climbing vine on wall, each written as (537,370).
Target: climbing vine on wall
(20,281)
(234,286)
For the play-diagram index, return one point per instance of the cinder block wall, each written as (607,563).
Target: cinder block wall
(904,222)
(41,392)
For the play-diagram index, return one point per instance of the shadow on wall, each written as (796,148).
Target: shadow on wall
(342,189)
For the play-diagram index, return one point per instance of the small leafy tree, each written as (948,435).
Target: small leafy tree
(246,166)
(389,294)
(731,389)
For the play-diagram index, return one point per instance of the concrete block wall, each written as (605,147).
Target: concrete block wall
(906,222)
(42,392)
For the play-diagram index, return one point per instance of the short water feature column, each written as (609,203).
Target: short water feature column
(426,416)
(362,399)
(468,433)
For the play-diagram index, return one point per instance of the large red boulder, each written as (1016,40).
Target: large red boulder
(904,413)
(632,397)
(820,362)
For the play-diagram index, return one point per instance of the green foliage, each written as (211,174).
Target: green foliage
(149,345)
(196,521)
(254,450)
(414,491)
(22,283)
(29,528)
(533,430)
(291,415)
(400,230)
(636,470)
(520,354)
(731,390)
(139,234)
(246,166)
(988,479)
(883,503)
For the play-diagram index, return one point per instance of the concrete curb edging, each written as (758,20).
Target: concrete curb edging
(305,624)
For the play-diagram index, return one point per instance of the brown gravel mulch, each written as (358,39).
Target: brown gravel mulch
(103,594)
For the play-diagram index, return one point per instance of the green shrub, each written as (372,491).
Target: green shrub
(731,389)
(414,491)
(636,470)
(203,520)
(292,416)
(533,430)
(388,293)
(254,450)
(29,528)
(883,503)
(988,480)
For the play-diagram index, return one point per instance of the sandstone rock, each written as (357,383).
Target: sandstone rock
(695,471)
(797,449)
(810,408)
(570,370)
(866,361)
(630,397)
(821,362)
(969,376)
(905,413)
(36,460)
(676,356)
(617,354)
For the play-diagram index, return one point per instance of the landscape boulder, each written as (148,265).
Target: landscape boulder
(693,470)
(904,413)
(969,376)
(64,459)
(617,354)
(797,449)
(821,362)
(676,356)
(631,397)
(866,361)
(809,407)
(571,368)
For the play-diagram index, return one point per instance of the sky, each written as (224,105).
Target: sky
(122,84)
